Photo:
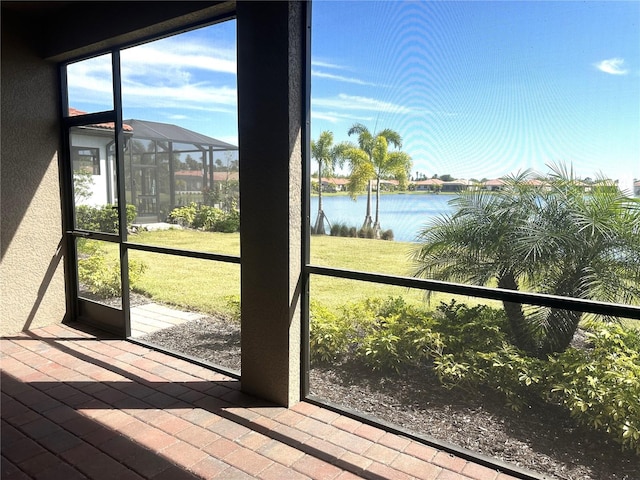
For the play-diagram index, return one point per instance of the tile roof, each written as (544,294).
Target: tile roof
(74,112)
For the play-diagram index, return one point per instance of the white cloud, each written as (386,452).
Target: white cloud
(358,103)
(335,117)
(180,74)
(182,55)
(612,66)
(340,78)
(319,63)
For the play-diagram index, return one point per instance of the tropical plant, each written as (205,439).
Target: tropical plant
(99,271)
(543,236)
(373,161)
(103,218)
(82,185)
(328,157)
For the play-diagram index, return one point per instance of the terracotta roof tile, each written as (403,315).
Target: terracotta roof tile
(74,112)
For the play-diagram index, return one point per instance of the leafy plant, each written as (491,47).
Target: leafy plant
(329,335)
(233,307)
(100,273)
(207,218)
(184,216)
(601,386)
(102,219)
(472,347)
(557,240)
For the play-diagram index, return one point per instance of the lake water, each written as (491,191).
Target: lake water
(404,214)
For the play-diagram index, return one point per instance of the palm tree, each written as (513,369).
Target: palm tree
(328,157)
(382,163)
(363,170)
(553,239)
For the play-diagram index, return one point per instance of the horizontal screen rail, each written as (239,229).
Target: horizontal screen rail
(219,257)
(545,300)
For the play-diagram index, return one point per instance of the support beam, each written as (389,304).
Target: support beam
(271,36)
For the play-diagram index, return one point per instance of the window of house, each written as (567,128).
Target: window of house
(86,160)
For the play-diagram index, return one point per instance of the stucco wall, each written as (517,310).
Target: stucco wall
(32,290)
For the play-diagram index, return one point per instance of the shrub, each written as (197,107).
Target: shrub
(230,223)
(386,234)
(601,386)
(342,230)
(472,347)
(184,216)
(102,219)
(366,232)
(101,274)
(329,335)
(233,307)
(205,217)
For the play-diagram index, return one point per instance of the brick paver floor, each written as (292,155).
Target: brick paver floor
(77,405)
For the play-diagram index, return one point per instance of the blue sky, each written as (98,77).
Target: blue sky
(476,89)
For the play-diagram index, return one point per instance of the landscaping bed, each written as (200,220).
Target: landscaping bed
(542,438)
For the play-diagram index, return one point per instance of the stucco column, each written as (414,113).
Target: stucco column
(271,38)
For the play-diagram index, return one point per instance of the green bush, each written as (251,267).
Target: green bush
(329,335)
(206,218)
(184,216)
(386,234)
(366,232)
(102,219)
(101,273)
(233,307)
(601,386)
(472,347)
(342,230)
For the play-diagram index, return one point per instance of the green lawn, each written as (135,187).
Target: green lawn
(206,286)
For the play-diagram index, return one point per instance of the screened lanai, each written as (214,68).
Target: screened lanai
(167,166)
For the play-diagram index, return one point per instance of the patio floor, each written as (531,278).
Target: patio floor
(152,317)
(76,404)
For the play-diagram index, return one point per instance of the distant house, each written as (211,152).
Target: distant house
(387,184)
(494,185)
(456,185)
(93,156)
(636,188)
(193,181)
(165,165)
(431,184)
(333,184)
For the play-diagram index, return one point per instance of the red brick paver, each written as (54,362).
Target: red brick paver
(76,404)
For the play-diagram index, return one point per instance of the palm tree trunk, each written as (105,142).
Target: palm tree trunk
(376,224)
(319,227)
(522,337)
(561,327)
(367,217)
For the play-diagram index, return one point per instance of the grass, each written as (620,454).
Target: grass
(207,286)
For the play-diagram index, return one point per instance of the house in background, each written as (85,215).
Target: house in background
(156,159)
(165,166)
(430,184)
(92,149)
(494,184)
(456,185)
